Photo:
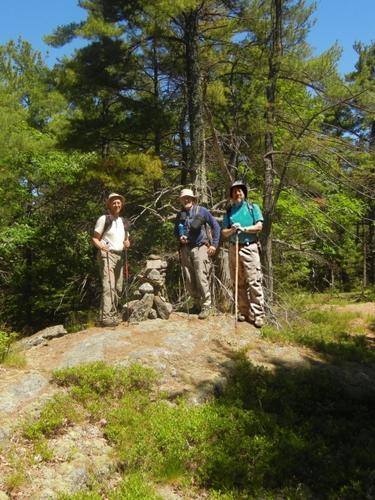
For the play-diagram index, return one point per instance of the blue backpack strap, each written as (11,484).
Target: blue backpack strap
(250,207)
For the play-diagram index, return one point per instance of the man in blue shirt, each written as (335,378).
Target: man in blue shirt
(246,219)
(198,233)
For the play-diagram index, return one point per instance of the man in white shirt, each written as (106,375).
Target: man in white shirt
(111,238)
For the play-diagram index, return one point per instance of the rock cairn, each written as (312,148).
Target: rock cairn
(150,299)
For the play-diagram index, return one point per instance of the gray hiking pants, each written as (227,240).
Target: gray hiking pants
(111,272)
(196,266)
(250,290)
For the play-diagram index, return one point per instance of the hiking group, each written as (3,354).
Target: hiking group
(198,234)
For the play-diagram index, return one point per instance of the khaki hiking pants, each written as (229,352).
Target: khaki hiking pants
(196,266)
(111,272)
(250,290)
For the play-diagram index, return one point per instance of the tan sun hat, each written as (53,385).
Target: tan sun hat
(115,195)
(187,192)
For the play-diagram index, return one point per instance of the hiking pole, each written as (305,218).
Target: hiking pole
(126,275)
(236,282)
(183,281)
(110,284)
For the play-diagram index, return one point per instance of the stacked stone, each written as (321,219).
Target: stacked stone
(150,301)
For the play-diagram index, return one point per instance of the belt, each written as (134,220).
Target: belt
(117,252)
(203,244)
(246,244)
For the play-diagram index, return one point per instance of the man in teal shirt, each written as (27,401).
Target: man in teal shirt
(246,219)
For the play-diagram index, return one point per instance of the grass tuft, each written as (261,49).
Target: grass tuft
(6,340)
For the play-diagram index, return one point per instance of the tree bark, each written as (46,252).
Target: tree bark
(155,62)
(201,179)
(194,91)
(269,160)
(184,148)
(371,245)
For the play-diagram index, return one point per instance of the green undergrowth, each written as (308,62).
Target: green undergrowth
(6,340)
(332,297)
(59,412)
(289,434)
(15,359)
(133,487)
(10,357)
(337,335)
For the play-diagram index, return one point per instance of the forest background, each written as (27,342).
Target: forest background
(185,93)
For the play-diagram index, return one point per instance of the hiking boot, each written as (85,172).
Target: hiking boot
(241,317)
(258,322)
(205,312)
(195,309)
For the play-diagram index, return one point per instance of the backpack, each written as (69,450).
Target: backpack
(108,224)
(197,222)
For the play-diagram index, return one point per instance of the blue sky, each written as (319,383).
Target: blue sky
(342,21)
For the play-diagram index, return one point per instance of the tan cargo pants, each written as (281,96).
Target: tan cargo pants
(196,266)
(111,272)
(250,290)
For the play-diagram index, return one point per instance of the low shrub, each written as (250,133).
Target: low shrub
(57,413)
(6,340)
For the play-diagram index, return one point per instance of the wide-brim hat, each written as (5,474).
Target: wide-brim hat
(112,196)
(187,192)
(238,184)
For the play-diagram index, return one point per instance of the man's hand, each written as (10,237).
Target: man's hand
(183,240)
(126,243)
(237,227)
(211,250)
(104,247)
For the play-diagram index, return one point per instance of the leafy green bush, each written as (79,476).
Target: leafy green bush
(81,495)
(95,385)
(6,340)
(103,380)
(60,411)
(134,487)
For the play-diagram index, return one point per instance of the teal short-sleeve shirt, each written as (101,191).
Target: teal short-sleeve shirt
(247,214)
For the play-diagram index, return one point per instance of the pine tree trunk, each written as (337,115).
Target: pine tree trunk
(364,279)
(155,62)
(269,175)
(184,148)
(201,180)
(194,91)
(371,245)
